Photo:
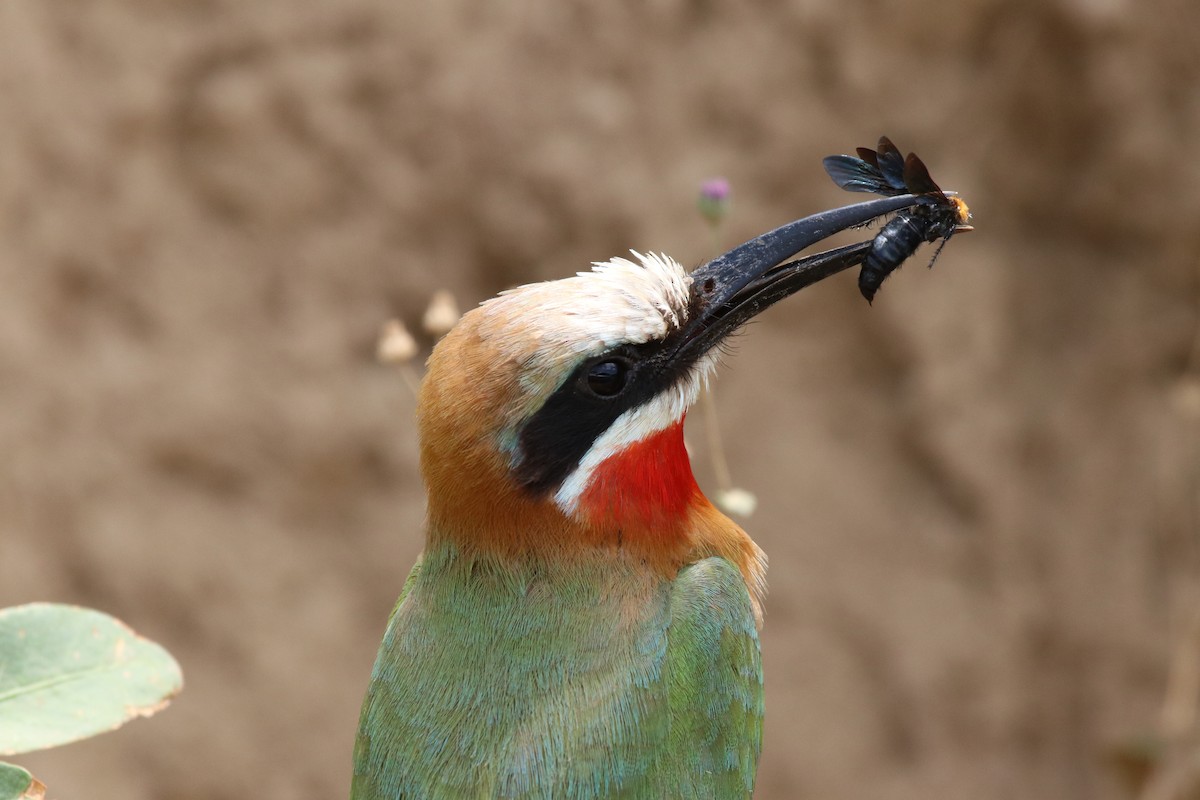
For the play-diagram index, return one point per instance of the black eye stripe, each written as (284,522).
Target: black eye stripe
(558,435)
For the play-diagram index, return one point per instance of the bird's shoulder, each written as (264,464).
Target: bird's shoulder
(714,683)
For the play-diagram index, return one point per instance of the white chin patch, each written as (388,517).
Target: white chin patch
(636,424)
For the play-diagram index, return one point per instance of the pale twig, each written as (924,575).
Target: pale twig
(1183,680)
(411,379)
(716,448)
(1178,715)
(1177,773)
(396,346)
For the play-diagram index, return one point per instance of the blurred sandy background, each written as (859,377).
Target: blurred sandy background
(979,496)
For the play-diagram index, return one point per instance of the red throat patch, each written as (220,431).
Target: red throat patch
(645,489)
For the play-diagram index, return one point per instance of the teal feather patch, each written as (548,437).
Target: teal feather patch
(594,679)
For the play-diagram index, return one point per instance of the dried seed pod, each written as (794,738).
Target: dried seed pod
(396,345)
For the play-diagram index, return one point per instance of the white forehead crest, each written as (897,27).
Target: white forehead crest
(617,302)
(654,293)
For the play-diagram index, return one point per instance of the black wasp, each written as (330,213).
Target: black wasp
(885,171)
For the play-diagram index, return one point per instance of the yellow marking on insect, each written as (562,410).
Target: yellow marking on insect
(961,212)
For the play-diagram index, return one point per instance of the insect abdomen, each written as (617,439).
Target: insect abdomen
(895,242)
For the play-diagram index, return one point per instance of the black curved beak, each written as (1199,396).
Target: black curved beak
(736,286)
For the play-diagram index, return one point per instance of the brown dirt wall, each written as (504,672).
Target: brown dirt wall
(979,496)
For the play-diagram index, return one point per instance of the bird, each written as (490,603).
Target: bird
(582,622)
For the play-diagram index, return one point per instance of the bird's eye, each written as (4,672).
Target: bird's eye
(607,378)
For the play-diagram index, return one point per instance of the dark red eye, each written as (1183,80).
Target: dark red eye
(607,378)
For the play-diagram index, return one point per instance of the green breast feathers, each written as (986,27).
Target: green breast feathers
(582,681)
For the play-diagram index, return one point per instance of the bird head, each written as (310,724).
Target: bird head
(551,416)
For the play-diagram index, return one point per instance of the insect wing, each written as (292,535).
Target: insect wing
(891,163)
(917,178)
(856,175)
(868,155)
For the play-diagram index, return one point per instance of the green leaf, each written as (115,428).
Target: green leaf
(67,673)
(18,784)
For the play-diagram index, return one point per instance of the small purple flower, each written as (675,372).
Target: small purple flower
(714,200)
(715,189)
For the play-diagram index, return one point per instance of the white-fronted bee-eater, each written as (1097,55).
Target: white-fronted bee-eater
(583,622)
